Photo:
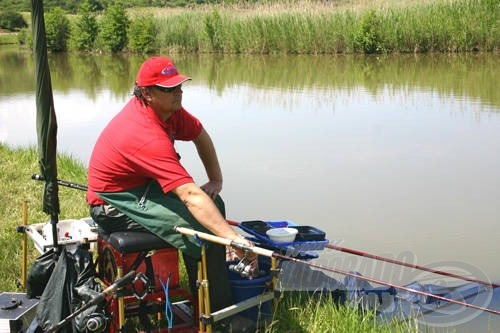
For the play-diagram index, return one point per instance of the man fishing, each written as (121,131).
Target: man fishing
(136,180)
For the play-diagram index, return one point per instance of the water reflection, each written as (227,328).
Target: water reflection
(470,76)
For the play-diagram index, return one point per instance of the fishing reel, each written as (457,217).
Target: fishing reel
(246,268)
(96,323)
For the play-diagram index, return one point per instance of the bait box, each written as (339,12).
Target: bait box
(308,238)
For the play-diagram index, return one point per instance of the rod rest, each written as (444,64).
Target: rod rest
(134,241)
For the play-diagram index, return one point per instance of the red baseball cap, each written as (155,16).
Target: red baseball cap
(159,71)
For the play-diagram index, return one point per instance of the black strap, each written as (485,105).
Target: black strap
(150,273)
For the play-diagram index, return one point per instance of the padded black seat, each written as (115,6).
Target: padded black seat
(135,241)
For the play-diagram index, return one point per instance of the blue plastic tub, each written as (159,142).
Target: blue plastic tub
(243,288)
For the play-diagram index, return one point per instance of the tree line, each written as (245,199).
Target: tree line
(71,6)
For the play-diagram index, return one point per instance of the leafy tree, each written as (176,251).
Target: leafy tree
(12,20)
(114,27)
(86,29)
(57,30)
(142,34)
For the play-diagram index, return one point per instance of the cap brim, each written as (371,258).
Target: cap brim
(173,81)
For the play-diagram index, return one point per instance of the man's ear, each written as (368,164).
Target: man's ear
(146,94)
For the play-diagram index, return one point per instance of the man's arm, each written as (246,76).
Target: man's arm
(205,212)
(208,156)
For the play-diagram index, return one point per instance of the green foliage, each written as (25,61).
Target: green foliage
(12,21)
(15,5)
(297,27)
(142,33)
(71,6)
(86,29)
(24,37)
(114,25)
(57,29)
(368,36)
(213,28)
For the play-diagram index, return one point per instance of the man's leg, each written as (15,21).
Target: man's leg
(112,220)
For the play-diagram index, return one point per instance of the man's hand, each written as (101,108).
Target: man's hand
(241,253)
(212,188)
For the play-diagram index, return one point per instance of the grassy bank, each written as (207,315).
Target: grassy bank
(309,27)
(295,312)
(16,168)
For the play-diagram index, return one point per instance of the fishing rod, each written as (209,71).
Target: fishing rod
(61,182)
(270,253)
(397,262)
(402,263)
(96,300)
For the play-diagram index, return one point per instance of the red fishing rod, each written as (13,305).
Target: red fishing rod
(402,263)
(397,262)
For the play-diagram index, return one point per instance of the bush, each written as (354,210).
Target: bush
(114,27)
(367,38)
(86,29)
(142,34)
(12,21)
(57,30)
(25,37)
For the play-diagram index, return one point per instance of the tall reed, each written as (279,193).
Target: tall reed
(308,27)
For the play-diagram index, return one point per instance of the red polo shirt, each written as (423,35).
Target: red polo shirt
(137,146)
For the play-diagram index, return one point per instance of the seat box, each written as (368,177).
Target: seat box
(165,264)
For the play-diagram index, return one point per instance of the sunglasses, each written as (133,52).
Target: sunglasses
(168,90)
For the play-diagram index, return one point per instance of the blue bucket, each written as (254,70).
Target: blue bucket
(243,288)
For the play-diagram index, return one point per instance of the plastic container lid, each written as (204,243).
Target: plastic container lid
(282,235)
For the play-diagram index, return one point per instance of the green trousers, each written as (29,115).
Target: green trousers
(149,209)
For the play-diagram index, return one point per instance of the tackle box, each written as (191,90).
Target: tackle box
(17,311)
(308,240)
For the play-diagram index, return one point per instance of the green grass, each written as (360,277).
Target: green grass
(294,312)
(301,313)
(16,168)
(8,38)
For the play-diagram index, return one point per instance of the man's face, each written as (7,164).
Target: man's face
(165,101)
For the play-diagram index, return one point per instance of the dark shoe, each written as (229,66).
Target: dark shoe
(236,324)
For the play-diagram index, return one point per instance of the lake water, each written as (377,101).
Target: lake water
(397,156)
